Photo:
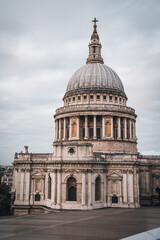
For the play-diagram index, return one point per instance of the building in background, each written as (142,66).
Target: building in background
(95,163)
(6,175)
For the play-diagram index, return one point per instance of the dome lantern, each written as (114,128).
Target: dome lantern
(95,46)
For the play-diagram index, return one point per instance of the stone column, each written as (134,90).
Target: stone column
(119,128)
(103,127)
(46,186)
(90,188)
(22,185)
(64,129)
(53,192)
(27,184)
(59,187)
(148,181)
(134,130)
(130,129)
(60,135)
(83,188)
(56,130)
(15,179)
(86,127)
(94,127)
(111,127)
(78,127)
(32,191)
(128,189)
(125,128)
(135,196)
(70,129)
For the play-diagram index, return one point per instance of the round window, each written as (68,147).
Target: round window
(71,150)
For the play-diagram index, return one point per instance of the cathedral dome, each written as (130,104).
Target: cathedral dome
(95,77)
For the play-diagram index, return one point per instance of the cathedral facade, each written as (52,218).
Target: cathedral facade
(95,163)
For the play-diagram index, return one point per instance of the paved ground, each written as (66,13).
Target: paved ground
(75,225)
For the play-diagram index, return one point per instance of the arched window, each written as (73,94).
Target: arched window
(97,189)
(49,187)
(71,189)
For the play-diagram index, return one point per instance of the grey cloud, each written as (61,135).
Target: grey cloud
(42,43)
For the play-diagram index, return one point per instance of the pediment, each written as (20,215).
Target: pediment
(114,175)
(38,175)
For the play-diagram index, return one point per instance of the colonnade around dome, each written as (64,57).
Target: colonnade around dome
(92,98)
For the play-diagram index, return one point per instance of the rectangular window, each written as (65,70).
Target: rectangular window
(69,100)
(85,97)
(104,97)
(91,97)
(116,99)
(98,97)
(98,133)
(73,99)
(110,98)
(83,132)
(90,133)
(120,100)
(79,98)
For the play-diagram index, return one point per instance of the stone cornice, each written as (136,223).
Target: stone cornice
(95,107)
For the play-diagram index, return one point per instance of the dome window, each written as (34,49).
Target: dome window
(98,97)
(79,98)
(116,99)
(74,99)
(84,97)
(110,98)
(91,97)
(104,97)
(120,100)
(69,100)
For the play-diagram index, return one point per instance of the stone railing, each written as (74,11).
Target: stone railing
(95,107)
(31,156)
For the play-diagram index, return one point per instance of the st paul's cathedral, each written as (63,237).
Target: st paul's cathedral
(95,163)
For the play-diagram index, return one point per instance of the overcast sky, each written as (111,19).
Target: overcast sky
(43,42)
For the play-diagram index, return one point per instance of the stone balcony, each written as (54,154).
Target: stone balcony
(95,107)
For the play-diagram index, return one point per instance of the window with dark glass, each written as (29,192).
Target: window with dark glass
(91,97)
(114,199)
(98,97)
(115,99)
(91,133)
(85,97)
(73,99)
(37,197)
(79,98)
(98,189)
(110,98)
(71,189)
(104,97)
(98,133)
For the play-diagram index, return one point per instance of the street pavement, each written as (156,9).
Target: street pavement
(110,224)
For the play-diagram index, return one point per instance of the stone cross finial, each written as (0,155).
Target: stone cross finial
(95,25)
